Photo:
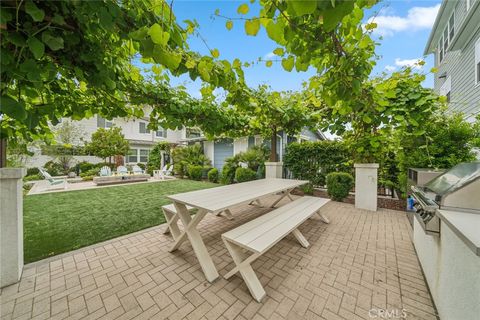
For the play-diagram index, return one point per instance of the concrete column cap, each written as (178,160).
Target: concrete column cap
(12,173)
(274,163)
(366,165)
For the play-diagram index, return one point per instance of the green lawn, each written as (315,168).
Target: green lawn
(59,222)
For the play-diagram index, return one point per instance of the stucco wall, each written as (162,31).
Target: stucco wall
(452,271)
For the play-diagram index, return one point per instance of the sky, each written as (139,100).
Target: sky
(403,30)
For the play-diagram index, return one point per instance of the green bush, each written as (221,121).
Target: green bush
(155,158)
(213,175)
(91,172)
(87,178)
(313,160)
(339,185)
(183,157)
(32,171)
(54,168)
(228,173)
(141,165)
(32,177)
(83,166)
(195,172)
(307,188)
(245,174)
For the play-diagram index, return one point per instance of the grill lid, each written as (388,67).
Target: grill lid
(454,179)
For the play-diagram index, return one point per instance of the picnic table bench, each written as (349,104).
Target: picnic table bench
(218,200)
(260,234)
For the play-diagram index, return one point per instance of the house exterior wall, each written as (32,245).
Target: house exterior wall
(458,67)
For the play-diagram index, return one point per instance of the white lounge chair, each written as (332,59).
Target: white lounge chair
(167,169)
(122,170)
(54,183)
(137,170)
(105,171)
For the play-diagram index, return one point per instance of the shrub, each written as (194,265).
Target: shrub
(186,156)
(195,172)
(141,165)
(87,178)
(54,168)
(314,160)
(245,174)
(32,177)
(213,175)
(155,157)
(307,188)
(339,185)
(32,171)
(92,172)
(83,166)
(228,173)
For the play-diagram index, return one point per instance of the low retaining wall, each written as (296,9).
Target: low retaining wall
(382,202)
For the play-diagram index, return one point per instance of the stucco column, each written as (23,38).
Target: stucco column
(273,170)
(366,186)
(11,225)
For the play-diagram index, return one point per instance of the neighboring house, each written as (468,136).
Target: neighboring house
(141,139)
(455,42)
(218,150)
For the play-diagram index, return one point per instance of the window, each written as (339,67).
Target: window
(104,123)
(446,38)
(132,155)
(440,50)
(161,133)
(477,61)
(143,128)
(144,155)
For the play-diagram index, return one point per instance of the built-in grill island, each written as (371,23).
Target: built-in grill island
(453,190)
(446,235)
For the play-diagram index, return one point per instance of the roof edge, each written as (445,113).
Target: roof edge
(427,50)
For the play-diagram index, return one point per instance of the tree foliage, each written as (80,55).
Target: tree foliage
(106,143)
(74,59)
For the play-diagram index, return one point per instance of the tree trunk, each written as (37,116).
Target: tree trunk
(3,153)
(273,146)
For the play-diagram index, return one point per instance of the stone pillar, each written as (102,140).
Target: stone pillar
(273,170)
(366,186)
(11,225)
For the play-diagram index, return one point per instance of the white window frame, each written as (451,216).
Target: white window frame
(140,155)
(132,154)
(477,62)
(162,131)
(469,3)
(107,124)
(147,131)
(444,42)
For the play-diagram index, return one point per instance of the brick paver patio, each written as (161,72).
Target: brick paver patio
(362,261)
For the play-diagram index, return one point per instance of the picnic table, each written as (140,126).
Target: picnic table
(216,201)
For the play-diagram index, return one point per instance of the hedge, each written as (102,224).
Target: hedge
(313,160)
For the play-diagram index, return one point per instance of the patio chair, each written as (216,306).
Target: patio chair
(167,170)
(54,183)
(122,170)
(105,171)
(137,170)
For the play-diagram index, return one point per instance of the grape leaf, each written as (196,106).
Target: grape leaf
(36,13)
(243,9)
(252,27)
(36,46)
(229,24)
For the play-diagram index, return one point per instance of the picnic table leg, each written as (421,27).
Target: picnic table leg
(259,203)
(196,241)
(299,236)
(243,266)
(323,217)
(172,226)
(284,194)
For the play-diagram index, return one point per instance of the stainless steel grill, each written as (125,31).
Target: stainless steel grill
(457,189)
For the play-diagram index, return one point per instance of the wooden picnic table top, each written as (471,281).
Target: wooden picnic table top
(224,197)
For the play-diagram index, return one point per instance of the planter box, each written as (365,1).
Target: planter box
(103,181)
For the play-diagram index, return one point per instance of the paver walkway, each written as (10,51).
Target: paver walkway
(360,266)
